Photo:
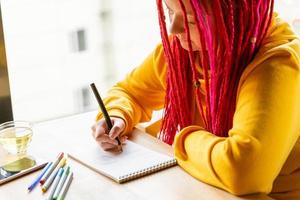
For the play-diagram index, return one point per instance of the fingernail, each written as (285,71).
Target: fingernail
(114,136)
(110,134)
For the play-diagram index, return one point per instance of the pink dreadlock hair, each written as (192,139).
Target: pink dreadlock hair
(242,25)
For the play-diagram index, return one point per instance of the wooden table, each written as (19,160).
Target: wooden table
(51,137)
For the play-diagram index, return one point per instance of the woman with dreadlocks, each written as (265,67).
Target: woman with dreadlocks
(228,79)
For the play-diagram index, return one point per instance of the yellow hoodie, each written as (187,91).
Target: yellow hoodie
(262,152)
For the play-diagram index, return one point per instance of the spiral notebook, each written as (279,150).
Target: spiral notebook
(135,161)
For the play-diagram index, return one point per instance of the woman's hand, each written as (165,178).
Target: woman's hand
(107,139)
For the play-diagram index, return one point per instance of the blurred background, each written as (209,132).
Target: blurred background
(56,48)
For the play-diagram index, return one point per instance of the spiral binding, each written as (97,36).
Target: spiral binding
(147,171)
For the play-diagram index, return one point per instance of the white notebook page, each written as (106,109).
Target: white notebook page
(133,159)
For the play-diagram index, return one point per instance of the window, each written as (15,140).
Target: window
(56,48)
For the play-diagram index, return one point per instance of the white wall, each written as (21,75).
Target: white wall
(289,11)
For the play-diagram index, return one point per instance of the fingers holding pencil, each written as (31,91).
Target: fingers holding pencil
(113,147)
(107,118)
(107,139)
(118,127)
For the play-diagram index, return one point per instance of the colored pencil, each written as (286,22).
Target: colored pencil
(37,180)
(50,170)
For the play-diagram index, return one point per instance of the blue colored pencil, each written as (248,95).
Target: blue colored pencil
(37,180)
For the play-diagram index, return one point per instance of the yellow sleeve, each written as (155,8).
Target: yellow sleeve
(141,92)
(265,129)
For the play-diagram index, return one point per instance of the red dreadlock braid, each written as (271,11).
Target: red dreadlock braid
(177,108)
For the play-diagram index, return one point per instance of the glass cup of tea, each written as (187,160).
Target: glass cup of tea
(15,136)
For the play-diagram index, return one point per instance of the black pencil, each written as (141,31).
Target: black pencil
(103,109)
